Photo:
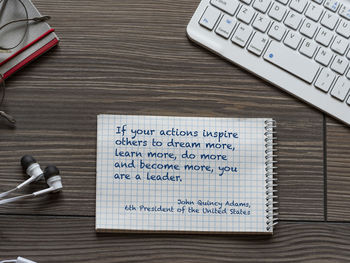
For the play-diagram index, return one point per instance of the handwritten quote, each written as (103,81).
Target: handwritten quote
(160,162)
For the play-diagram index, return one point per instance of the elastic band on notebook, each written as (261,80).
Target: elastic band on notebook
(27,46)
(33,56)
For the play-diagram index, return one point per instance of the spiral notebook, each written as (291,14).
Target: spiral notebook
(185,174)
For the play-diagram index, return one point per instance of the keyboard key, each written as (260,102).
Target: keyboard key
(246,1)
(277,12)
(318,1)
(293,20)
(345,11)
(324,37)
(308,28)
(298,5)
(348,101)
(348,75)
(228,6)
(344,28)
(210,17)
(262,5)
(242,34)
(314,12)
(325,80)
(339,64)
(258,43)
(332,5)
(308,48)
(246,14)
(348,55)
(277,31)
(283,1)
(341,89)
(292,39)
(292,62)
(261,22)
(329,20)
(324,56)
(225,26)
(339,45)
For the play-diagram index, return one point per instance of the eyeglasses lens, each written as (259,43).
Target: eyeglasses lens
(2,89)
(12,33)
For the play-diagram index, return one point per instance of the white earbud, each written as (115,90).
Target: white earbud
(53,180)
(32,168)
(51,174)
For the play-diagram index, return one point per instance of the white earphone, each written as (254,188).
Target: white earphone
(32,168)
(18,260)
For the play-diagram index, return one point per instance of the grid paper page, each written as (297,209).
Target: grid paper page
(180,174)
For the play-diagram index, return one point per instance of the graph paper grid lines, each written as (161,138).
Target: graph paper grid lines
(214,200)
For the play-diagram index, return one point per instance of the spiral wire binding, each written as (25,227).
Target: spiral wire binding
(271,174)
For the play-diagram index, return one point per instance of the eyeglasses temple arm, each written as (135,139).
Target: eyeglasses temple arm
(35,19)
(8,117)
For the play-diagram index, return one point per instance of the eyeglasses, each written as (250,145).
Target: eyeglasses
(14,25)
(2,97)
(14,17)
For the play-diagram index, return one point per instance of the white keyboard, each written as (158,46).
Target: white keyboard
(300,46)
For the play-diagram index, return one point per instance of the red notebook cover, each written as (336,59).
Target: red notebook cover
(31,57)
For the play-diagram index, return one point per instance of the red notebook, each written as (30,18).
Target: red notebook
(39,39)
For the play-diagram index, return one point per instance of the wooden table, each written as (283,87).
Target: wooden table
(133,57)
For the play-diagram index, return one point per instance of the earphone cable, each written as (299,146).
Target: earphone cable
(17,198)
(2,195)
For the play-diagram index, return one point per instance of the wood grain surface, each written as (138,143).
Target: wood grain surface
(338,172)
(133,57)
(71,239)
